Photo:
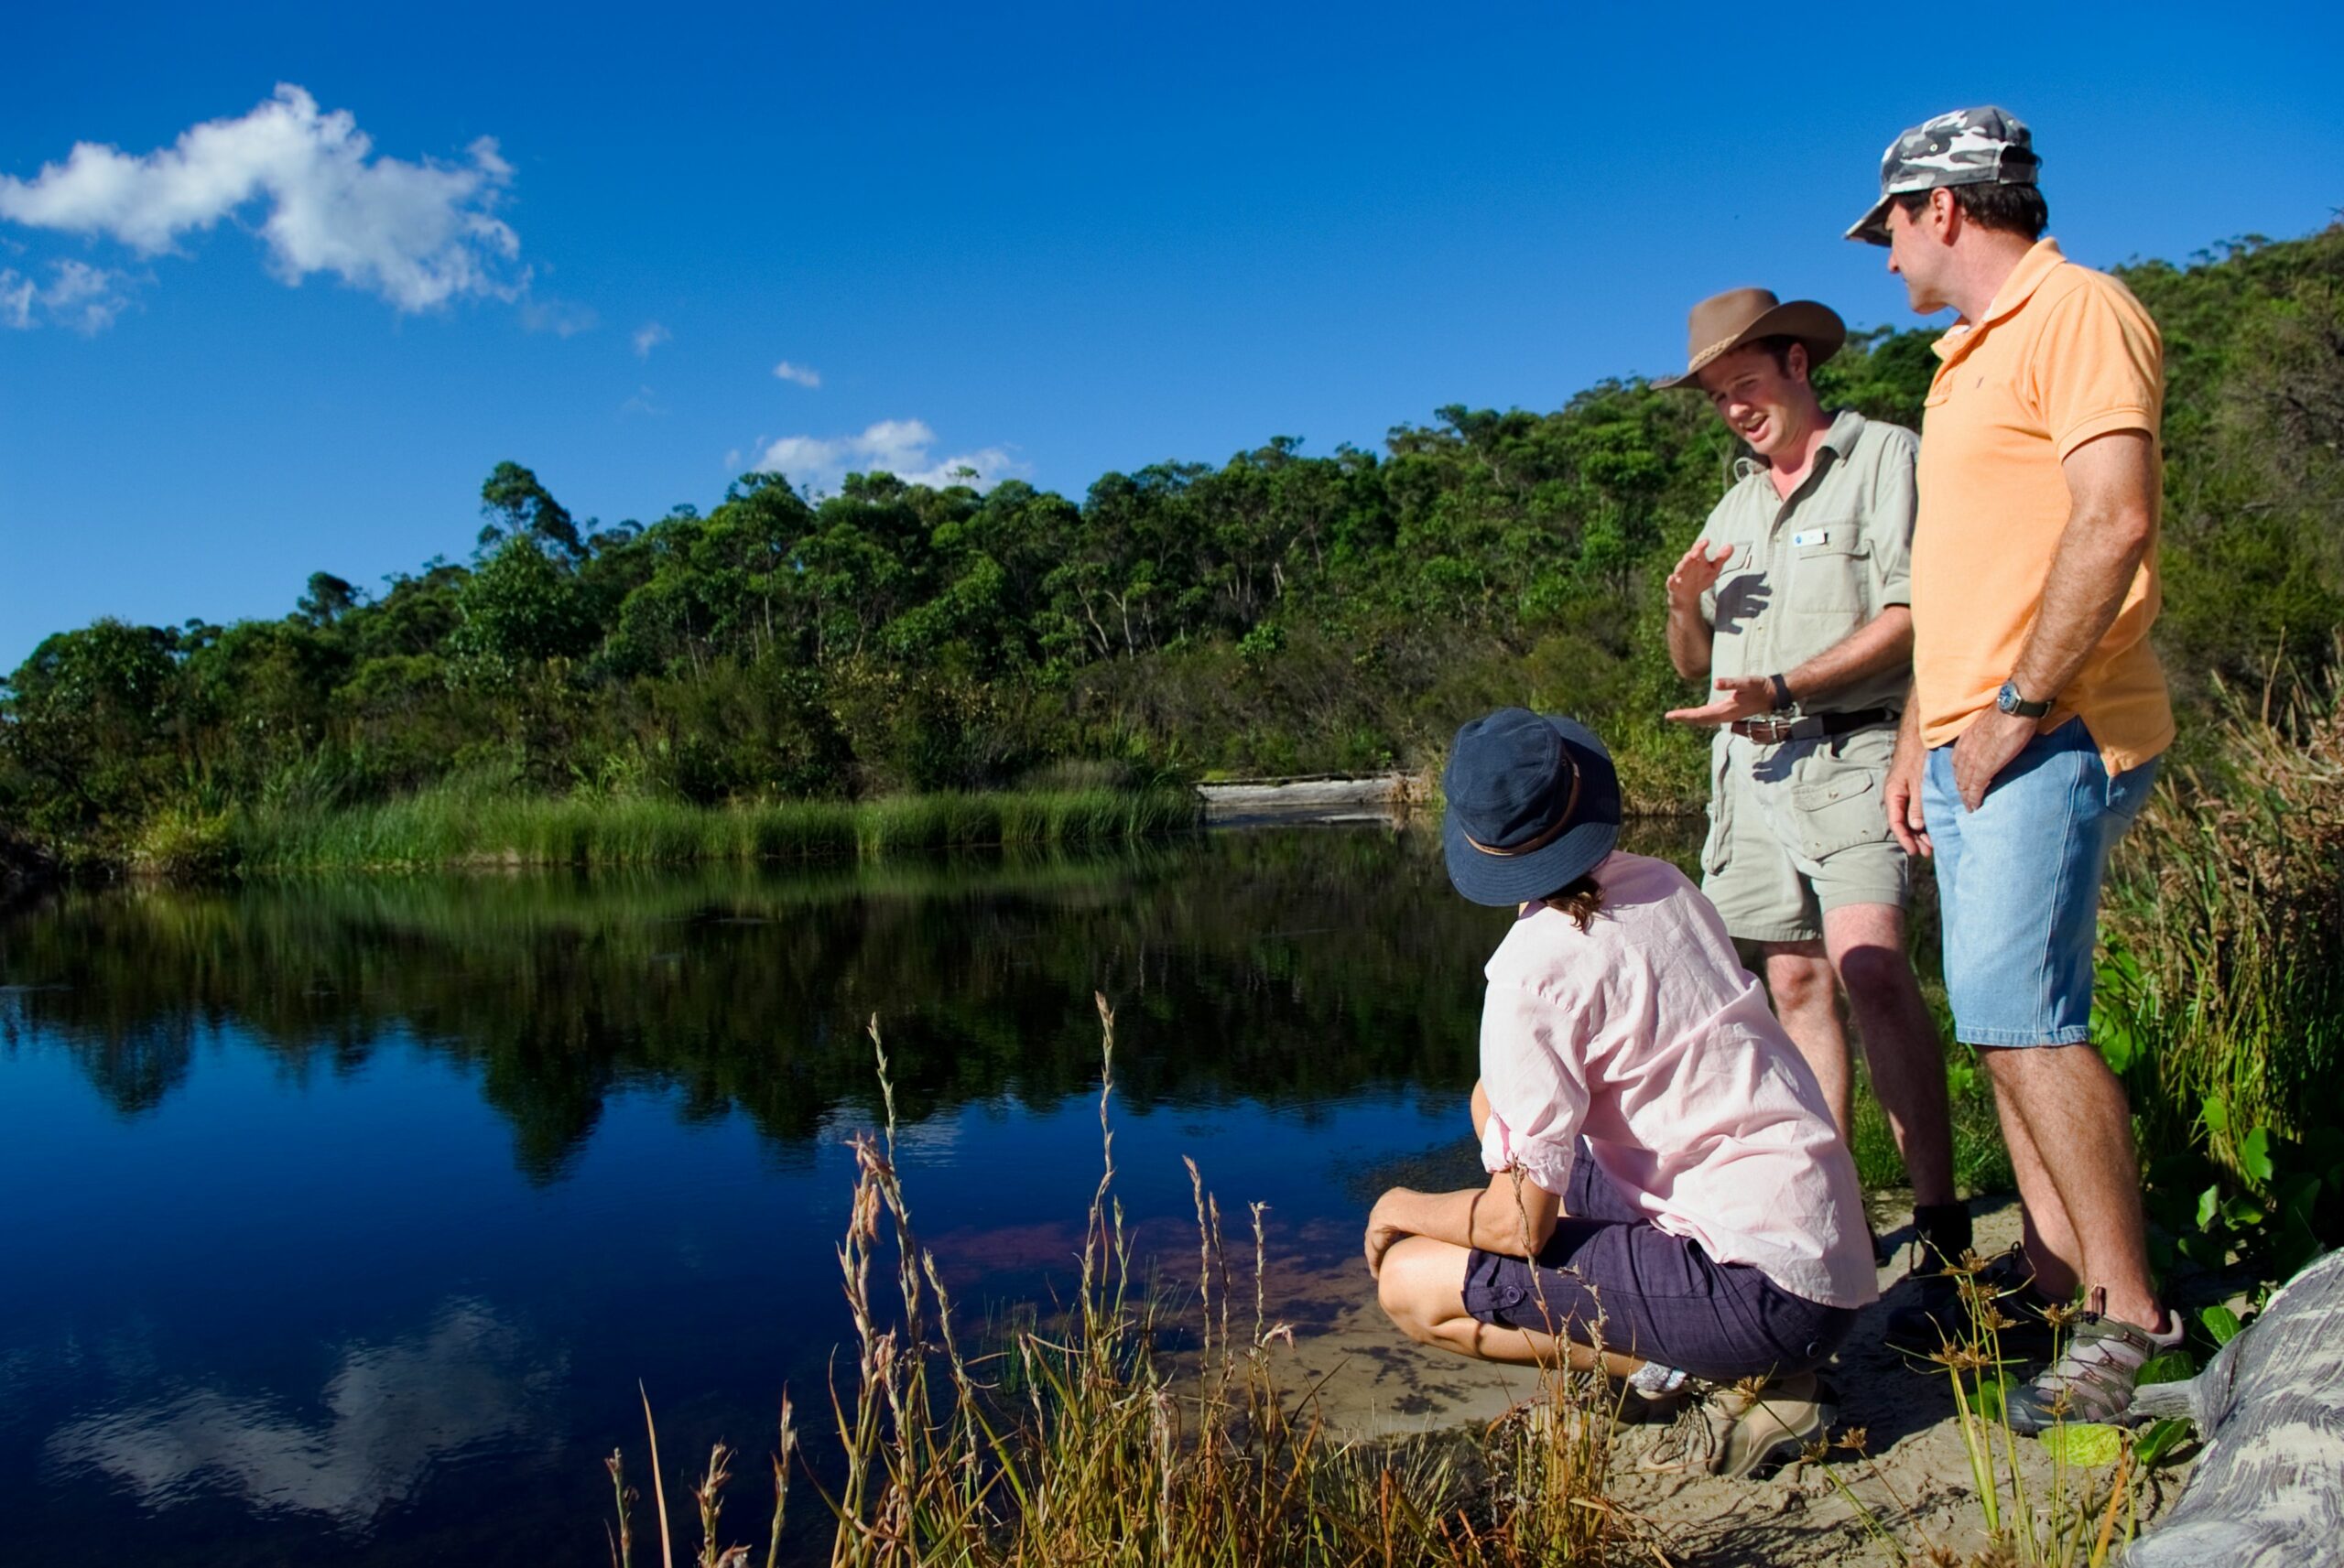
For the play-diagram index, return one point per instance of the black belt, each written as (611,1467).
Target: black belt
(1811,726)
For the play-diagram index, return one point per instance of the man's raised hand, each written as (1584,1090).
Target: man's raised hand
(1697,571)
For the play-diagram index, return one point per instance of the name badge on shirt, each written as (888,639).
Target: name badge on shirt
(1811,536)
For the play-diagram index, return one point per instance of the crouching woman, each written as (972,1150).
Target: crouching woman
(1669,1197)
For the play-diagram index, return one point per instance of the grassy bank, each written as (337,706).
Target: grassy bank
(453,826)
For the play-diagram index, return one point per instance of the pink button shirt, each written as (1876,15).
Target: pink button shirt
(1645,1037)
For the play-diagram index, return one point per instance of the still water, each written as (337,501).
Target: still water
(345,1216)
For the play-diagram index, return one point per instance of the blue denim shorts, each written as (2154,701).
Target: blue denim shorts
(2018,885)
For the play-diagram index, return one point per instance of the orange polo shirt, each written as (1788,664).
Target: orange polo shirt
(2063,354)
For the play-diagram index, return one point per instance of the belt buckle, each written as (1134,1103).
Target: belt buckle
(1767,731)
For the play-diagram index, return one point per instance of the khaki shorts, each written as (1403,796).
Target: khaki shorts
(1798,829)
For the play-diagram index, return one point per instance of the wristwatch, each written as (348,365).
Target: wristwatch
(1783,699)
(2008,701)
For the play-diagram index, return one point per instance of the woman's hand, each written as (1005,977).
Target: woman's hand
(1383,1229)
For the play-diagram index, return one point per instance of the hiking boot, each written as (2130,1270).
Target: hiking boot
(1938,1316)
(2092,1379)
(1736,1431)
(1634,1408)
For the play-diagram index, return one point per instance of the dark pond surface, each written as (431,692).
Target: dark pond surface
(344,1216)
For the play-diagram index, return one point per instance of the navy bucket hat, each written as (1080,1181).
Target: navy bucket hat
(1534,804)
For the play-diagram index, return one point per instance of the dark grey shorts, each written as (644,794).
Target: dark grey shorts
(1657,1297)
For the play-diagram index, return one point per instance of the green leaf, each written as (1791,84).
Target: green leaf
(1985,1399)
(2215,1114)
(2112,1028)
(2204,1251)
(2087,1444)
(2168,1367)
(2209,1205)
(2160,1438)
(2221,1323)
(2254,1155)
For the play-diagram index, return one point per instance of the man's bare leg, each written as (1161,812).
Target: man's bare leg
(2065,1098)
(1806,995)
(2052,1249)
(1421,1288)
(1866,945)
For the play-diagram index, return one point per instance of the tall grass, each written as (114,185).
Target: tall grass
(1088,1440)
(2225,977)
(454,826)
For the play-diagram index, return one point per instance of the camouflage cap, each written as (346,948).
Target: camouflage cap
(1968,146)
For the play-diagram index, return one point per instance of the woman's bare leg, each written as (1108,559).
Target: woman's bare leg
(1421,1288)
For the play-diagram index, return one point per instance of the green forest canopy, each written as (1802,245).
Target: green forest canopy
(1281,612)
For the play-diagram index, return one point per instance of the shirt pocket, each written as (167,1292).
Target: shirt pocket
(1838,813)
(1831,569)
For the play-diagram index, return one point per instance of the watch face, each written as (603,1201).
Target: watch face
(2007,698)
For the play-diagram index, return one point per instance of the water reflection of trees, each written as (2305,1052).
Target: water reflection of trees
(1293,967)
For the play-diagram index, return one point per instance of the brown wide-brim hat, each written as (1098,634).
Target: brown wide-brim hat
(1724,322)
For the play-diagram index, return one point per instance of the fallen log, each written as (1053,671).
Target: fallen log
(2269,1488)
(1316,798)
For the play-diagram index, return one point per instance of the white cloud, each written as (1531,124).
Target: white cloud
(561,316)
(900,447)
(647,337)
(641,402)
(418,234)
(801,374)
(384,1424)
(77,295)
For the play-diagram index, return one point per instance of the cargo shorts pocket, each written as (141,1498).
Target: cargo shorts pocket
(1838,813)
(1713,849)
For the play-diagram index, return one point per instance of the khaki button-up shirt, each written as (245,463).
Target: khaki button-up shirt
(1808,571)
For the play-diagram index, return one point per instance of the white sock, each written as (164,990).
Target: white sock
(1654,1381)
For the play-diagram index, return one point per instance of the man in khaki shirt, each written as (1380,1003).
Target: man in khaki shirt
(1794,604)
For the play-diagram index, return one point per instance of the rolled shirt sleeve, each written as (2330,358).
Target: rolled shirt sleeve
(1894,503)
(1536,1083)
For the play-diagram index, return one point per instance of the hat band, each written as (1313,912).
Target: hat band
(1547,836)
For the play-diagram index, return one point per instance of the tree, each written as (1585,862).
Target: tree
(88,717)
(517,611)
(329,599)
(518,506)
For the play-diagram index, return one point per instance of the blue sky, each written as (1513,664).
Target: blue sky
(1048,242)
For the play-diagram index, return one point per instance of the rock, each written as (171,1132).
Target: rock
(2269,1488)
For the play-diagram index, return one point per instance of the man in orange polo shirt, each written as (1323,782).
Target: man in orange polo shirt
(2038,709)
